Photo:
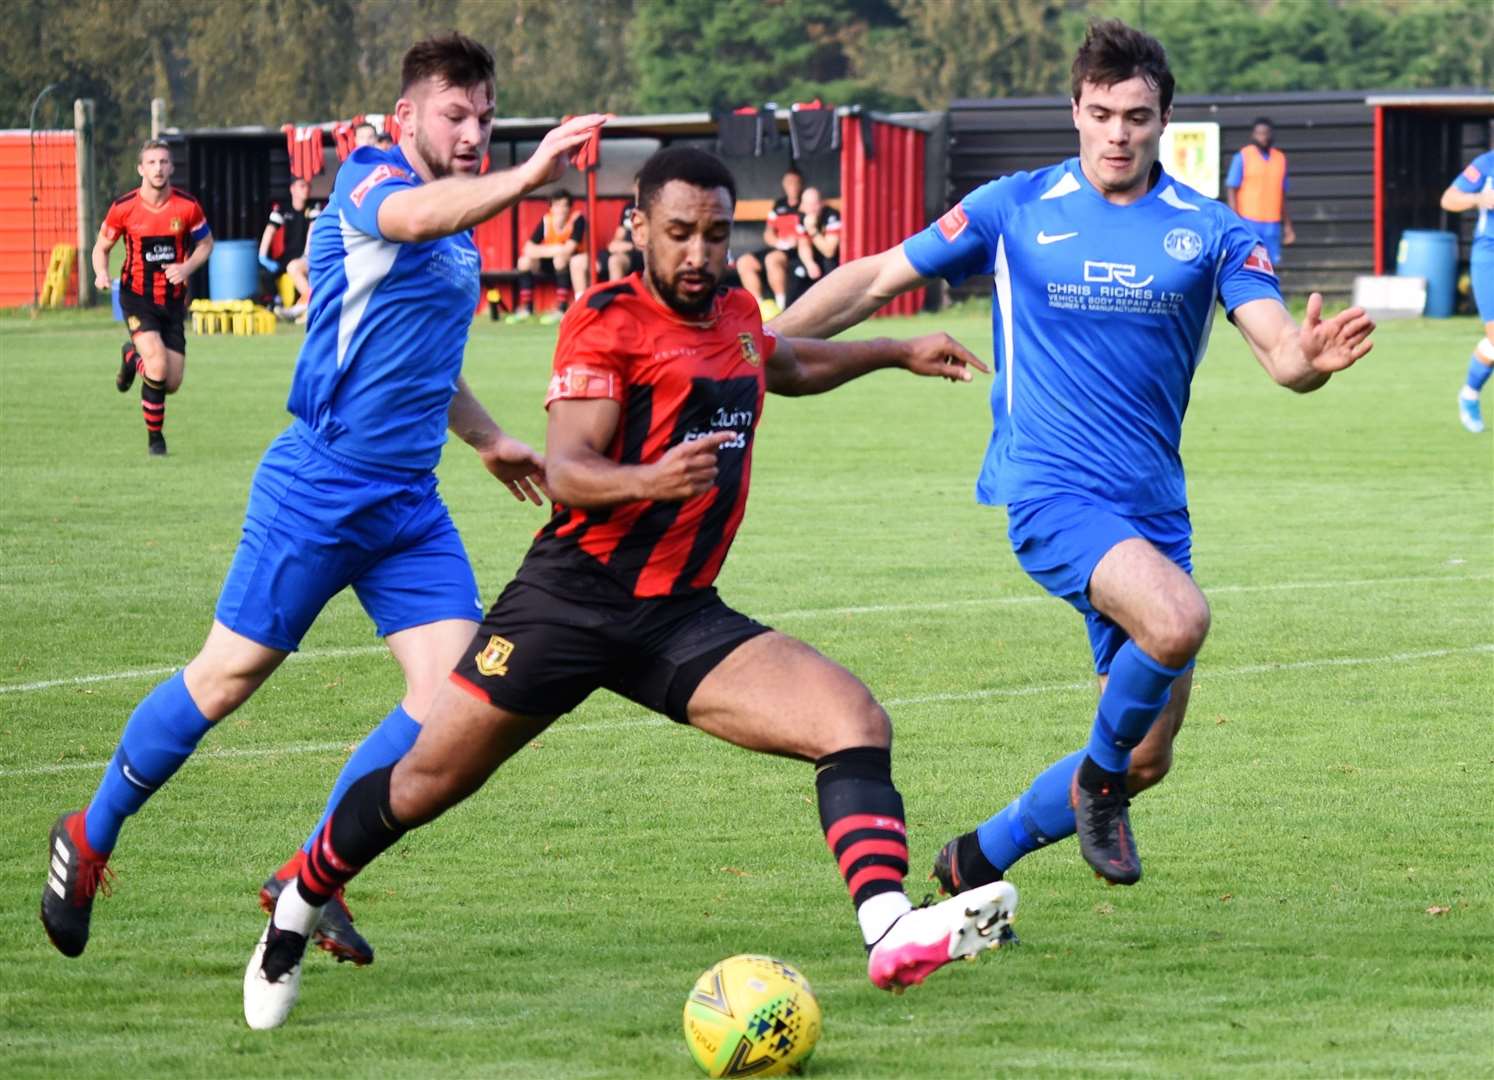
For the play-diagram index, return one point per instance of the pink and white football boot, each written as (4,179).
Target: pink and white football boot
(924,939)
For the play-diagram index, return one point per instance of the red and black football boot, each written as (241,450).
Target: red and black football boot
(961,865)
(127,368)
(75,873)
(334,933)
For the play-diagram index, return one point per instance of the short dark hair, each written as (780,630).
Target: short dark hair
(361,124)
(694,166)
(1114,52)
(562,194)
(1259,120)
(152,144)
(453,58)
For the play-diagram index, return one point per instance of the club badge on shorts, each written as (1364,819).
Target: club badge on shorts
(493,660)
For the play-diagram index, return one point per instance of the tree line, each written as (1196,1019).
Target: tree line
(252,62)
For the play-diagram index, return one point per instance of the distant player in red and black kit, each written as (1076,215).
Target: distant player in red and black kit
(658,386)
(166,239)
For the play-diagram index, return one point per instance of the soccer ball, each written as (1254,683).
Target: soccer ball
(751,1015)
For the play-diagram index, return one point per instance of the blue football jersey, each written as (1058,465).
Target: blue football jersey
(1101,315)
(1477,177)
(387,324)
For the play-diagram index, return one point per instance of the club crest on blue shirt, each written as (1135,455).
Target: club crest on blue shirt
(1185,245)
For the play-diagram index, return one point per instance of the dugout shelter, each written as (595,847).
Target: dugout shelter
(885,174)
(1362,167)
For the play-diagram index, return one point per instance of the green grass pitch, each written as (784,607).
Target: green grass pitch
(1317,899)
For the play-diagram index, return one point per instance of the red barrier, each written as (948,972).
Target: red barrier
(38,210)
(881,197)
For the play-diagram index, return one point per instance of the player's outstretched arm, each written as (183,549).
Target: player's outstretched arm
(1302,358)
(580,474)
(455,204)
(849,294)
(808,366)
(511,460)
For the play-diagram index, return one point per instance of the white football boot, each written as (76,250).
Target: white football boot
(924,939)
(272,981)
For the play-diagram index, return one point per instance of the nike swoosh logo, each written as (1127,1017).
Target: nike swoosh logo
(1044,238)
(134,779)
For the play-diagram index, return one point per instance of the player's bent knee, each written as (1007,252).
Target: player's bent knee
(1148,767)
(1175,636)
(861,721)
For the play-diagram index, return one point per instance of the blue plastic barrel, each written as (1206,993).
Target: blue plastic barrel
(233,270)
(1433,255)
(114,300)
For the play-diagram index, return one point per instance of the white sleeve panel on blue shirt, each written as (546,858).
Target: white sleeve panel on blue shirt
(963,241)
(366,179)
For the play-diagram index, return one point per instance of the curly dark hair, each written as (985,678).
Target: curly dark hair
(1114,52)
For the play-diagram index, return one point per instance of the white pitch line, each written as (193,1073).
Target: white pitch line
(651,720)
(778,616)
(1040,598)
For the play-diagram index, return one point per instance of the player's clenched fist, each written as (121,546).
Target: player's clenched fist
(688,469)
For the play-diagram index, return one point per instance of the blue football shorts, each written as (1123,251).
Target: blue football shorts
(1060,540)
(318,522)
(1481,273)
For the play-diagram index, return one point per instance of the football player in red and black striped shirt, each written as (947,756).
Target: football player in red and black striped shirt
(659,383)
(166,239)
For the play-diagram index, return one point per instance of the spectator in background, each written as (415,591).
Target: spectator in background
(294,223)
(623,256)
(818,247)
(553,251)
(384,141)
(781,237)
(364,134)
(1256,189)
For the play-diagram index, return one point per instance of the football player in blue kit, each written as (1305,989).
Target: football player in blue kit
(1473,189)
(346,496)
(1107,275)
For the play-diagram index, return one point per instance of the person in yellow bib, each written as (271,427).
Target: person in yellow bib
(1256,189)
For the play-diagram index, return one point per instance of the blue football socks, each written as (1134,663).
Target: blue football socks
(1039,817)
(161,733)
(1478,373)
(1136,691)
(385,745)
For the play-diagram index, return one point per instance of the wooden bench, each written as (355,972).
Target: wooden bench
(759,209)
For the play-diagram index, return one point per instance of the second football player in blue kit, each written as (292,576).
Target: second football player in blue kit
(1107,276)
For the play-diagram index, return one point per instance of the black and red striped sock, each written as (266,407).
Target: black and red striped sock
(361,827)
(862,815)
(153,404)
(563,289)
(133,357)
(526,291)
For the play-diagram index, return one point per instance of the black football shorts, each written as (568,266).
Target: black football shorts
(540,654)
(143,316)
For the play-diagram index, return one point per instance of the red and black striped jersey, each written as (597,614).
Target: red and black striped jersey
(154,236)
(676,380)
